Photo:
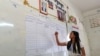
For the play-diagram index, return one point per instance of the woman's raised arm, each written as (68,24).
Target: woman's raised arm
(58,42)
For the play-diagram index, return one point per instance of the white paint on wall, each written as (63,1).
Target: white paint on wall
(93,33)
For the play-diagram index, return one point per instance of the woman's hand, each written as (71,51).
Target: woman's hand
(56,33)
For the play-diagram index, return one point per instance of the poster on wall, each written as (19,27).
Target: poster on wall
(50,4)
(43,7)
(94,22)
(61,15)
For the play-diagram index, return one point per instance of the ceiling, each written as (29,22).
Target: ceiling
(86,5)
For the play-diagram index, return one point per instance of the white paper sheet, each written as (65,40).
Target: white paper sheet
(40,37)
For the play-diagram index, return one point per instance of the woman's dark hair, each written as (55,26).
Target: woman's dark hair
(76,45)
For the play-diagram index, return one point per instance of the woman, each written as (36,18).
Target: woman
(74,46)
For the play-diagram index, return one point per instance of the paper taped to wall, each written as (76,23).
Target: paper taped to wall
(40,37)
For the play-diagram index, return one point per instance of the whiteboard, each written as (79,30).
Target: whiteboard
(40,37)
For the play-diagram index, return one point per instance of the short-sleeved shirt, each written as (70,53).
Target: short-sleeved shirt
(70,52)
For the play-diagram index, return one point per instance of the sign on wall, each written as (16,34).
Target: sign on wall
(43,7)
(95,22)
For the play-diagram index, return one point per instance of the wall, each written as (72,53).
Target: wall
(12,37)
(93,33)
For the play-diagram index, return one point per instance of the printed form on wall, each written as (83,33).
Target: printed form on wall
(40,37)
